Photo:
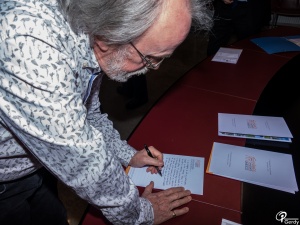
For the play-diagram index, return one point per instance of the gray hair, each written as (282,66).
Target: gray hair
(122,21)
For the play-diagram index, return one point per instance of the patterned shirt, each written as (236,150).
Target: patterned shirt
(50,112)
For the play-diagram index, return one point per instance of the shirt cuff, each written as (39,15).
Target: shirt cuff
(146,215)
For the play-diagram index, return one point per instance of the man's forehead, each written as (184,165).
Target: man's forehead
(170,28)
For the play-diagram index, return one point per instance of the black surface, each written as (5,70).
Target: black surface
(281,97)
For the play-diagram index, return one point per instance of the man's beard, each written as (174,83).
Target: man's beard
(116,63)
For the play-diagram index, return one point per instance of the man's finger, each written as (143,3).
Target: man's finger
(179,212)
(173,190)
(181,201)
(179,195)
(148,189)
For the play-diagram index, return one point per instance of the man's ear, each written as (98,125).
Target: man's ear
(101,45)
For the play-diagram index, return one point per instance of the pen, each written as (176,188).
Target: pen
(149,153)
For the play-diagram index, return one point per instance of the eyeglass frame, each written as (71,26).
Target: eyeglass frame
(147,60)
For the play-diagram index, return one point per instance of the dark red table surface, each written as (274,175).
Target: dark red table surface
(185,121)
(246,79)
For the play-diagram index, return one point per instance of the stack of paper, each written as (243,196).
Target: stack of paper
(178,171)
(254,127)
(228,222)
(260,167)
(227,55)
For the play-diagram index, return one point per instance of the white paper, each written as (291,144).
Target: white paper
(228,222)
(227,55)
(254,127)
(269,169)
(295,41)
(178,171)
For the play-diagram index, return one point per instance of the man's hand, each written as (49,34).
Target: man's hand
(165,203)
(141,158)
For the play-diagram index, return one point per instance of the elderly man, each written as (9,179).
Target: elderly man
(53,54)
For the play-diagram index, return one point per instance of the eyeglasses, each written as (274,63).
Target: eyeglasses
(150,63)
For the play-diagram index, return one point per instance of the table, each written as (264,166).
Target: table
(184,121)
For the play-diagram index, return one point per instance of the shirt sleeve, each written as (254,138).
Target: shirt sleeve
(41,104)
(100,121)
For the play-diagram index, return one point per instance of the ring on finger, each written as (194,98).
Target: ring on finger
(173,214)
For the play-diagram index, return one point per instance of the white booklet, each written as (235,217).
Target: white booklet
(227,55)
(178,171)
(228,222)
(254,127)
(265,168)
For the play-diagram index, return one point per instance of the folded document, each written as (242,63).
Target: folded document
(278,44)
(254,127)
(265,168)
